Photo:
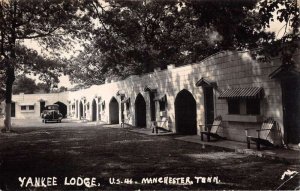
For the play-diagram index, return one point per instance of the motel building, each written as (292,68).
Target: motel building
(233,85)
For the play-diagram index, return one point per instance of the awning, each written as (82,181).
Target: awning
(24,104)
(205,83)
(242,93)
(161,97)
(126,100)
(149,89)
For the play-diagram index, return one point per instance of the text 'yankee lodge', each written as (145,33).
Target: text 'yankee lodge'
(52,181)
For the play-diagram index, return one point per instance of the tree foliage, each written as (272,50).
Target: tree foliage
(25,85)
(287,12)
(134,37)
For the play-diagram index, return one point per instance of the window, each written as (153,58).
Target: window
(233,106)
(27,108)
(243,101)
(244,106)
(253,106)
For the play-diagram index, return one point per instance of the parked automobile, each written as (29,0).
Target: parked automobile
(51,113)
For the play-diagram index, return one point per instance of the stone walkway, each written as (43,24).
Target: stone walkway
(281,154)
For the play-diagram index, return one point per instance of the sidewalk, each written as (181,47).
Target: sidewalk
(149,131)
(281,154)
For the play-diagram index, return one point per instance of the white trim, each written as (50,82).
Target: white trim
(26,104)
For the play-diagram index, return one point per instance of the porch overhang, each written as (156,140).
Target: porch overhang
(242,93)
(149,89)
(205,83)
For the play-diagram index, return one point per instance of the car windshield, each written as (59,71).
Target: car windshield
(50,107)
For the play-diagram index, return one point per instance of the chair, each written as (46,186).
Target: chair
(262,134)
(210,130)
(162,124)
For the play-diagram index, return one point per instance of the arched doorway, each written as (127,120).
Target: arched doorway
(114,111)
(81,110)
(140,111)
(62,108)
(185,113)
(94,110)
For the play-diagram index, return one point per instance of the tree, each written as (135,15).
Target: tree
(134,37)
(23,84)
(287,12)
(43,87)
(86,68)
(53,23)
(2,80)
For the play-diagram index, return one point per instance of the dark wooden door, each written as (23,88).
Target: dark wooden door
(114,111)
(185,113)
(94,110)
(152,106)
(291,108)
(42,106)
(140,111)
(209,105)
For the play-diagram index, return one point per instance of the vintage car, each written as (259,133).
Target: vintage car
(51,113)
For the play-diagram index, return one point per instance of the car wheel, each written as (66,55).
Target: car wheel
(45,121)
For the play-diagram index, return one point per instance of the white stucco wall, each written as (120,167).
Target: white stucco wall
(34,99)
(228,69)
